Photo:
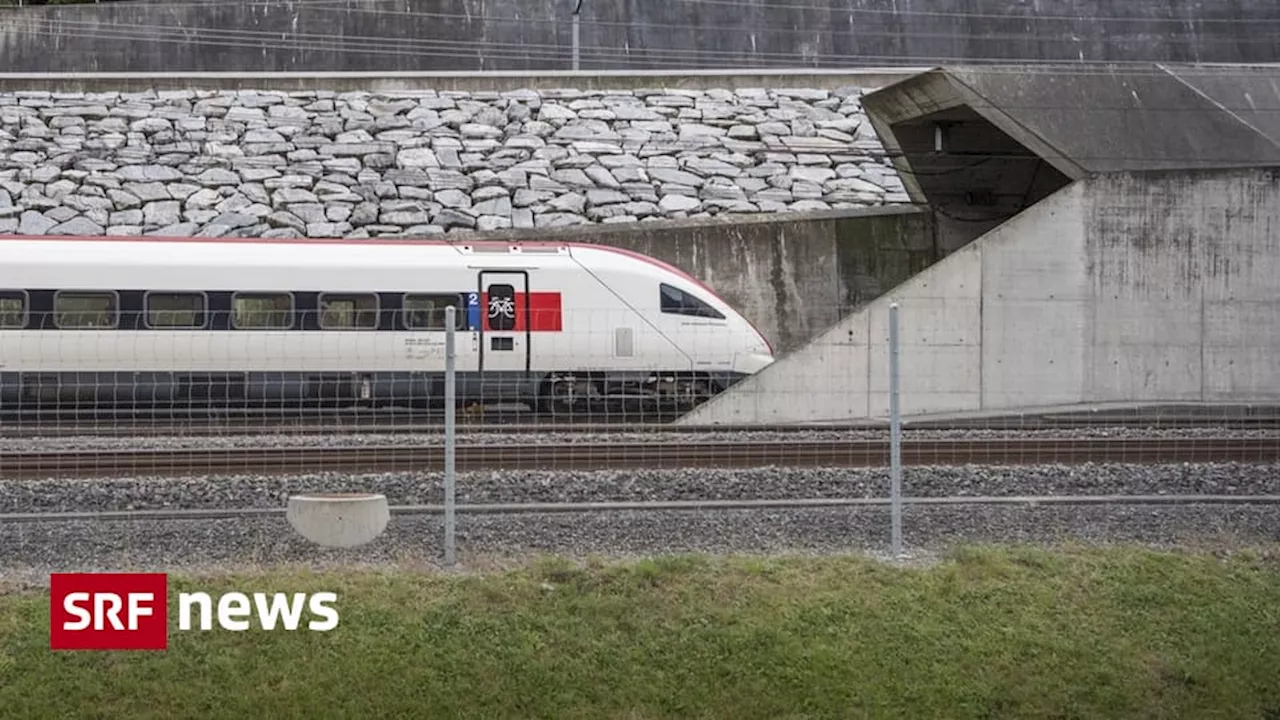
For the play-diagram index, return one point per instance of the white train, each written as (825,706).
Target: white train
(226,322)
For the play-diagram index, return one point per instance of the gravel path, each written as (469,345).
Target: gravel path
(255,491)
(30,551)
(176,442)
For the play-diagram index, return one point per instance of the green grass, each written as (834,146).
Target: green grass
(986,633)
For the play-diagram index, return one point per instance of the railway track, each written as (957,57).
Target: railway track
(596,456)
(519,423)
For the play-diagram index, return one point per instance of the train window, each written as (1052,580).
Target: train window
(77,310)
(678,302)
(426,312)
(13,309)
(175,310)
(262,311)
(348,312)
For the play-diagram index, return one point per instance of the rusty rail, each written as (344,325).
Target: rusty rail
(603,456)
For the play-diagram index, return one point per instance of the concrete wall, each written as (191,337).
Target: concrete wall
(537,34)
(1149,288)
(792,278)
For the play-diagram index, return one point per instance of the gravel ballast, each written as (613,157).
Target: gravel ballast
(517,486)
(46,545)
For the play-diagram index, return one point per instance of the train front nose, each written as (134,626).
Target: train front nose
(755,357)
(750,363)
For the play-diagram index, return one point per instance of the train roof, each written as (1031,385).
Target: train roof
(341,250)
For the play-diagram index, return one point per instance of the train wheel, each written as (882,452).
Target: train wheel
(567,396)
(692,392)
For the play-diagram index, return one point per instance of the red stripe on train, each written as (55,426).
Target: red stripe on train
(544,312)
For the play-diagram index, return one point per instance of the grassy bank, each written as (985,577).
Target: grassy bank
(987,633)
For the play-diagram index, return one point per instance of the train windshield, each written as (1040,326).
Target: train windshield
(679,302)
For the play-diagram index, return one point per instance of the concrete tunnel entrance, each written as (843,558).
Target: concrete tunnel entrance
(972,174)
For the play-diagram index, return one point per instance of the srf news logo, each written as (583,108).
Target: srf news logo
(130,611)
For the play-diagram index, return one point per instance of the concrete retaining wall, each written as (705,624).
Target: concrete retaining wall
(486,35)
(1126,287)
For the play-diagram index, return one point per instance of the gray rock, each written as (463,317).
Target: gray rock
(406,217)
(216,177)
(722,191)
(234,220)
(126,217)
(571,177)
(569,203)
(489,192)
(161,213)
(493,222)
(45,174)
(606,197)
(453,199)
(809,206)
(679,203)
(671,175)
(33,223)
(816,175)
(449,217)
(308,212)
(602,177)
(706,167)
(203,199)
(184,229)
(778,195)
(60,214)
(287,220)
(522,218)
(287,195)
(553,220)
(416,158)
(148,174)
(327,229)
(446,179)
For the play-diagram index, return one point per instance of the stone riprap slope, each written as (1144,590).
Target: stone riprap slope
(323,164)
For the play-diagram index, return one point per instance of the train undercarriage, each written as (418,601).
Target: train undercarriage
(556,394)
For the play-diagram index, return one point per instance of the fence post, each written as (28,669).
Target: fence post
(895,435)
(576,8)
(450,403)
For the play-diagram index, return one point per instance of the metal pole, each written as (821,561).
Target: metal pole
(895,434)
(450,393)
(576,8)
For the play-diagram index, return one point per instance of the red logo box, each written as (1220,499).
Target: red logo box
(108,611)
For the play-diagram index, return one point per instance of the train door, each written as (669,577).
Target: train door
(504,326)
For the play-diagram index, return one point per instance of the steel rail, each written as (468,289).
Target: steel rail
(658,506)
(607,456)
(435,426)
